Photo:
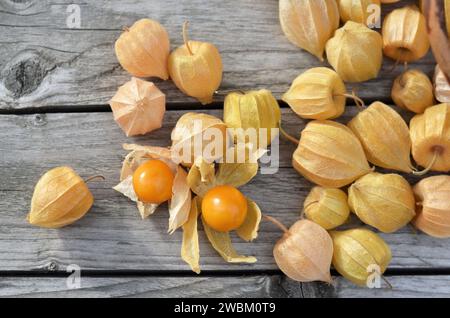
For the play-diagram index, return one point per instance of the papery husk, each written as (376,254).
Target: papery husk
(385,137)
(357,10)
(186,133)
(248,231)
(327,207)
(330,155)
(252,110)
(304,252)
(355,52)
(318,93)
(430,136)
(60,198)
(309,24)
(196,69)
(413,90)
(138,107)
(357,252)
(384,201)
(143,49)
(405,37)
(433,206)
(441,86)
(190,250)
(179,204)
(447,13)
(221,242)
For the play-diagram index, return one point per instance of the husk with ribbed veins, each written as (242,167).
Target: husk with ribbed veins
(329,154)
(384,201)
(60,198)
(385,137)
(355,52)
(318,93)
(327,207)
(358,253)
(309,24)
(358,11)
(430,136)
(433,206)
(441,86)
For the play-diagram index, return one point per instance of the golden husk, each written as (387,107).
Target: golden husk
(143,49)
(413,90)
(355,52)
(309,24)
(198,74)
(304,253)
(185,135)
(60,198)
(330,155)
(190,250)
(327,207)
(405,36)
(447,13)
(384,136)
(318,93)
(357,251)
(430,136)
(441,86)
(252,110)
(357,10)
(384,201)
(433,206)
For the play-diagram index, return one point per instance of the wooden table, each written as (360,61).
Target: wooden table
(55,83)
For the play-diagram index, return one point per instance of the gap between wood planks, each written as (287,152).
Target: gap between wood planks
(106,108)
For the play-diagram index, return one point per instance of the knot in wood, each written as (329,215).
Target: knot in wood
(40,120)
(23,74)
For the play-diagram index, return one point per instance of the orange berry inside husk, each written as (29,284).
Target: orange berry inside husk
(224,208)
(153,181)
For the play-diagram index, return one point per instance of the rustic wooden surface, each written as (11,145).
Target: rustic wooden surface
(54,86)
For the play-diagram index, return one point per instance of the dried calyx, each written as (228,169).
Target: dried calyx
(318,93)
(309,24)
(304,252)
(358,11)
(441,86)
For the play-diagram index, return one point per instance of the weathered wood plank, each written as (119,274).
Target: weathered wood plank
(44,63)
(112,236)
(260,286)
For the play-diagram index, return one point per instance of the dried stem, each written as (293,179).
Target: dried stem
(95,177)
(358,101)
(186,38)
(436,154)
(287,136)
(387,282)
(226,92)
(276,222)
(126,29)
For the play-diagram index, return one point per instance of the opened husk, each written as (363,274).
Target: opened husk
(60,198)
(309,24)
(252,110)
(355,52)
(143,49)
(138,107)
(196,69)
(191,137)
(413,90)
(358,11)
(384,136)
(433,206)
(327,207)
(190,250)
(405,37)
(318,93)
(384,201)
(304,252)
(430,136)
(441,86)
(359,253)
(330,155)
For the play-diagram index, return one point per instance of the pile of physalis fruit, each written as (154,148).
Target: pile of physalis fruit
(334,156)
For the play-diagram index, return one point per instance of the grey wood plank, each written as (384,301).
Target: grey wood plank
(112,236)
(261,286)
(44,63)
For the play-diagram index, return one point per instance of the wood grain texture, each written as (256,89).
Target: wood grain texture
(260,286)
(43,63)
(112,236)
